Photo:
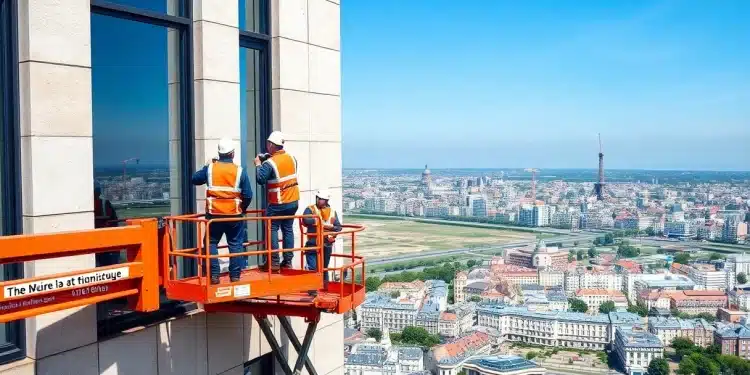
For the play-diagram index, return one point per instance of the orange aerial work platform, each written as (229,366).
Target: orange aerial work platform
(152,263)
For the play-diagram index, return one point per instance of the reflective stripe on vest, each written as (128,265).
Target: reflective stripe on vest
(283,188)
(326,216)
(223,193)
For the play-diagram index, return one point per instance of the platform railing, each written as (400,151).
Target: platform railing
(137,278)
(201,252)
(354,267)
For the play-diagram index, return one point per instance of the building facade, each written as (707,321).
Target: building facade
(91,85)
(636,348)
(551,328)
(667,329)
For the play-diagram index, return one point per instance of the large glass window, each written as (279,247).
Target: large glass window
(141,128)
(10,216)
(255,97)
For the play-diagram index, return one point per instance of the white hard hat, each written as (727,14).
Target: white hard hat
(276,138)
(226,146)
(323,194)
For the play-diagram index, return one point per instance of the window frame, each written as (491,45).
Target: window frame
(184,25)
(261,42)
(15,348)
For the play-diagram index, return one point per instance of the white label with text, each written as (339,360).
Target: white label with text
(242,290)
(51,285)
(223,291)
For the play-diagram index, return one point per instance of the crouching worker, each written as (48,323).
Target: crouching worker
(331,223)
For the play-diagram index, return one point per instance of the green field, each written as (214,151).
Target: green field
(384,238)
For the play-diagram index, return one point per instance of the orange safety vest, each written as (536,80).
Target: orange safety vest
(326,216)
(102,214)
(283,188)
(223,194)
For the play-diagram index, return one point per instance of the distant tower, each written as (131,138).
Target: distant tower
(426,176)
(533,183)
(599,186)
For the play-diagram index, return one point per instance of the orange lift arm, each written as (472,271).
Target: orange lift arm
(152,262)
(138,278)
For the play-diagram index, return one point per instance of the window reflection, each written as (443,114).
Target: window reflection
(250,12)
(135,127)
(251,130)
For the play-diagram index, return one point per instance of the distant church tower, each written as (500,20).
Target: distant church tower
(427,181)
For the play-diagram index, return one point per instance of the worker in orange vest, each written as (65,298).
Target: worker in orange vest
(228,194)
(331,223)
(278,171)
(104,217)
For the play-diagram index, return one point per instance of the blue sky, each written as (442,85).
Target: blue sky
(496,83)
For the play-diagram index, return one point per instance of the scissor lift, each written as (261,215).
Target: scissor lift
(152,262)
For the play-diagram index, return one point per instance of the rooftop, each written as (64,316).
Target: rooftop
(551,315)
(461,348)
(733,331)
(409,352)
(502,363)
(634,337)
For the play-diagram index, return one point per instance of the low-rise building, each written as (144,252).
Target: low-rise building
(698,301)
(502,365)
(636,348)
(457,320)
(448,359)
(732,316)
(549,328)
(734,339)
(699,331)
(595,297)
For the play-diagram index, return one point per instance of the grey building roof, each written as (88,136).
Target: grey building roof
(409,352)
(503,363)
(618,317)
(556,296)
(552,315)
(638,339)
(734,331)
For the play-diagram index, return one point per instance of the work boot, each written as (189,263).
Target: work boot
(234,279)
(274,267)
(214,280)
(286,264)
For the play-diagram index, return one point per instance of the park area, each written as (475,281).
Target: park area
(389,237)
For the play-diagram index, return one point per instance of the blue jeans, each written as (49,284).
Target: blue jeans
(287,231)
(311,258)
(236,235)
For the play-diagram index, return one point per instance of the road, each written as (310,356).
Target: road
(466,223)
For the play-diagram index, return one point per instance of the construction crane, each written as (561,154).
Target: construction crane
(124,168)
(533,182)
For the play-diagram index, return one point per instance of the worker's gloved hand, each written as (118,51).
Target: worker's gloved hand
(212,160)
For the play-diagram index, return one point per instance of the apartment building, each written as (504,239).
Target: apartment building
(595,297)
(734,339)
(696,302)
(549,328)
(381,312)
(88,84)
(597,278)
(667,329)
(457,320)
(636,348)
(707,277)
(383,359)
